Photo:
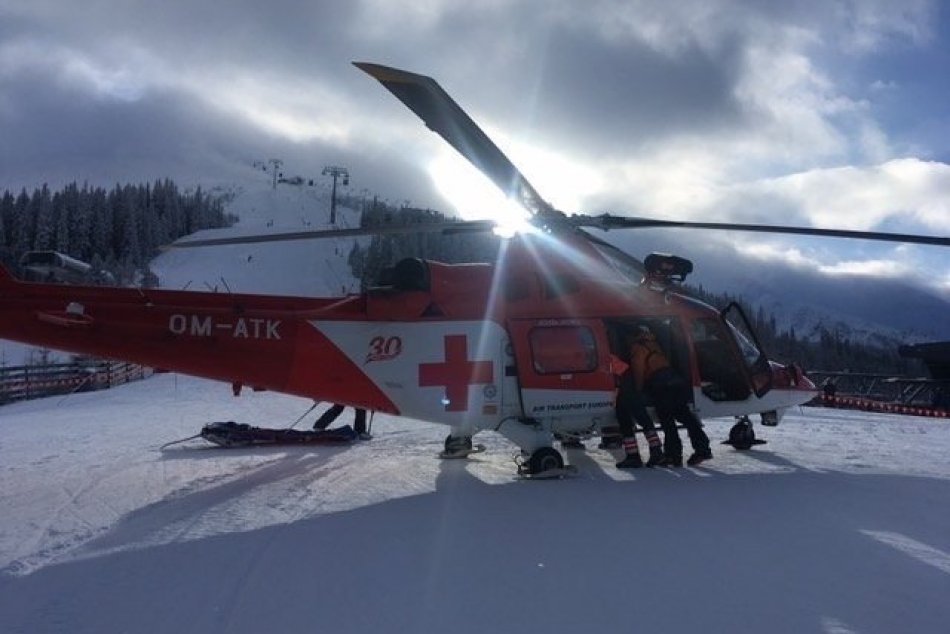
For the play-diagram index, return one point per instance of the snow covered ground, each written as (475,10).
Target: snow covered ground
(840,524)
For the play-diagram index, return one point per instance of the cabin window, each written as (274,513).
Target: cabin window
(563,349)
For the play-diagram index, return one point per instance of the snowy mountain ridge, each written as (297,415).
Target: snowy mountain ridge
(809,321)
(879,312)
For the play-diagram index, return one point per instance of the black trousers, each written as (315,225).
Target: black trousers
(670,395)
(359,424)
(631,407)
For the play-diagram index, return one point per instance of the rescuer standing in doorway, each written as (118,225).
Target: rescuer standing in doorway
(670,393)
(631,408)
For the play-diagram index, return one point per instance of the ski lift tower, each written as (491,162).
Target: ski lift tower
(275,164)
(335,172)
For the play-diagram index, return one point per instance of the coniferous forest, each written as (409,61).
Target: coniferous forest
(117,230)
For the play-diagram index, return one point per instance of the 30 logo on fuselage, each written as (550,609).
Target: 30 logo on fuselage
(383,349)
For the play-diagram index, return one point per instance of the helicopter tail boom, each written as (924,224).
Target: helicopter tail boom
(263,342)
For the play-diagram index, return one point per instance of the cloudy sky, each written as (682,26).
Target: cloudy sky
(830,113)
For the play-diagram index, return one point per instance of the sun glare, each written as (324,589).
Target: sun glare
(475,197)
(559,180)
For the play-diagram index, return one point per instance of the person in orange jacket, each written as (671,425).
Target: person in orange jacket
(652,373)
(630,408)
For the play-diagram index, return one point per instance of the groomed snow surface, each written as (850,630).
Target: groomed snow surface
(841,523)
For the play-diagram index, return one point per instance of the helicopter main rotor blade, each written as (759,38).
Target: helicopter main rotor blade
(607,222)
(441,114)
(445,228)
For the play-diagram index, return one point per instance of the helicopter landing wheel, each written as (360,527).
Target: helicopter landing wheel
(457,443)
(545,459)
(459,447)
(742,436)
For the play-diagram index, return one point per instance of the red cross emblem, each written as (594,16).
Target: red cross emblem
(456,373)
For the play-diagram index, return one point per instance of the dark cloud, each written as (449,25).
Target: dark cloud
(111,139)
(618,96)
(107,140)
(293,35)
(899,304)
(540,69)
(545,77)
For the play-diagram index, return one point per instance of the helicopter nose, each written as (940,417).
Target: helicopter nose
(805,383)
(791,377)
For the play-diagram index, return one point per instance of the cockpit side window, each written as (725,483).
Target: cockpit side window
(720,372)
(756,362)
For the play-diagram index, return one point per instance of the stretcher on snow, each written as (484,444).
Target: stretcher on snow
(231,434)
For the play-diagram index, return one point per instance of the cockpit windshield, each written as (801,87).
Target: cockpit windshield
(757,364)
(749,350)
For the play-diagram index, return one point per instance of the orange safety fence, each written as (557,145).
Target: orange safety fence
(866,404)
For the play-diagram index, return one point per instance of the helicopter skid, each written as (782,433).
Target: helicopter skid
(461,453)
(560,473)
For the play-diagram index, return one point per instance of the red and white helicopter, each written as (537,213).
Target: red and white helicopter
(520,346)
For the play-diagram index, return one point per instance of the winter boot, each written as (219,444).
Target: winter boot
(673,461)
(632,460)
(610,442)
(656,449)
(698,457)
(610,438)
(657,458)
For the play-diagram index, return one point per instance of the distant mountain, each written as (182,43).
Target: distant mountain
(881,312)
(868,310)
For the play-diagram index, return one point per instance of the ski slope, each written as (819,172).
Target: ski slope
(298,267)
(840,524)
